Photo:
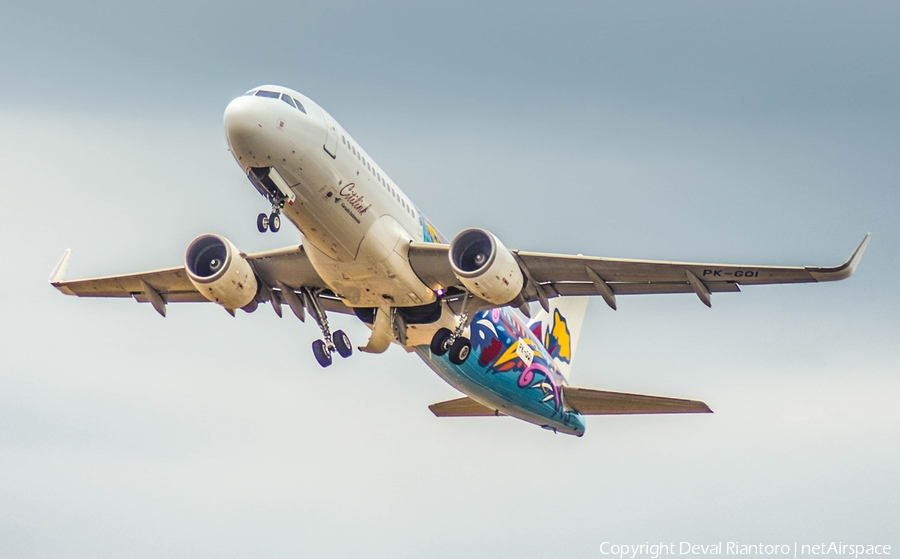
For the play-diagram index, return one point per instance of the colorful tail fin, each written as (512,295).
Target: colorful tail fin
(560,329)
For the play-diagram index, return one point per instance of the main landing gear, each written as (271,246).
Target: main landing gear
(271,222)
(453,343)
(332,342)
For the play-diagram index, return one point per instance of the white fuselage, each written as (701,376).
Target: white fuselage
(355,223)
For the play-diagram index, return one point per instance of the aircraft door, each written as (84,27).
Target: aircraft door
(331,135)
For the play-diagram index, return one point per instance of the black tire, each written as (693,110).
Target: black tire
(274,223)
(262,223)
(460,350)
(323,356)
(342,343)
(439,345)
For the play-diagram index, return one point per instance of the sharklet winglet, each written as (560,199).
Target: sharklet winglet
(57,276)
(846,269)
(59,272)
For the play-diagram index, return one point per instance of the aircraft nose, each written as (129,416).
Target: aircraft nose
(244,119)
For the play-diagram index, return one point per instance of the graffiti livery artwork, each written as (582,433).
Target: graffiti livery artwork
(557,339)
(429,233)
(502,343)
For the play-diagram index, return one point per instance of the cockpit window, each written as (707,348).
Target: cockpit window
(270,94)
(300,106)
(287,99)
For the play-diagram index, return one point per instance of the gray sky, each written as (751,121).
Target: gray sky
(758,133)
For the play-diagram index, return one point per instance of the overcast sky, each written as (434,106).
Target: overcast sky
(762,133)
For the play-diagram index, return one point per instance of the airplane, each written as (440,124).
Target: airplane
(462,305)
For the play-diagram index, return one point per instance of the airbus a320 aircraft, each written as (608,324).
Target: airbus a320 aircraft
(366,250)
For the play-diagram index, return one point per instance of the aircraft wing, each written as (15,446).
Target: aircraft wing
(554,275)
(288,266)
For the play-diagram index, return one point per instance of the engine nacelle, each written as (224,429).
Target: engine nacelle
(219,272)
(486,267)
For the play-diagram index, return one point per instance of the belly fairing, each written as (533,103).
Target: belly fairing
(380,275)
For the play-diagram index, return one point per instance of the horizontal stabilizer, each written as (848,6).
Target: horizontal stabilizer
(601,402)
(461,407)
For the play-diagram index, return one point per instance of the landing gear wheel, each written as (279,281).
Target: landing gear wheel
(274,222)
(440,341)
(262,222)
(342,343)
(323,356)
(460,351)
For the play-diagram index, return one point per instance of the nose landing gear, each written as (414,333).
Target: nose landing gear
(271,222)
(264,179)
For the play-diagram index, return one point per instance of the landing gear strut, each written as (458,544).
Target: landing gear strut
(337,342)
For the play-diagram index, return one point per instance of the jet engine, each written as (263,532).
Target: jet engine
(485,266)
(219,272)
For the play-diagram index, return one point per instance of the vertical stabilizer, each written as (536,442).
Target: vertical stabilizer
(560,329)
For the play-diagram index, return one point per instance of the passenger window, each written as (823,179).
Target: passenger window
(287,99)
(300,106)
(269,94)
(343,140)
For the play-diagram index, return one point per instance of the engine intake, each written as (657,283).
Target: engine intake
(219,272)
(485,266)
